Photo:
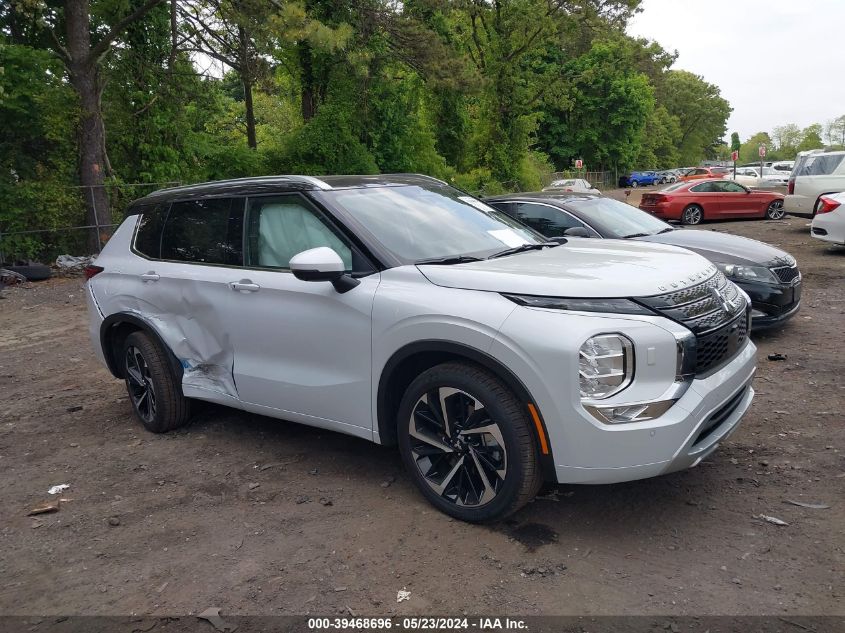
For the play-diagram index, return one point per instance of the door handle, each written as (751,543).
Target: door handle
(244,285)
(150,276)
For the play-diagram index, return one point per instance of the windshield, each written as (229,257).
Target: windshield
(616,219)
(415,223)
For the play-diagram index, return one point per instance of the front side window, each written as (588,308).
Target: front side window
(280,227)
(729,187)
(417,222)
(547,220)
(204,232)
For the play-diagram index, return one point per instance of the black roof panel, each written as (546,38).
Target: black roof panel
(282,184)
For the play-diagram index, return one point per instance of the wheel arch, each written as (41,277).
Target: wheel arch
(113,332)
(411,360)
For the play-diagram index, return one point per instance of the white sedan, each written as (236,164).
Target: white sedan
(578,185)
(750,177)
(829,221)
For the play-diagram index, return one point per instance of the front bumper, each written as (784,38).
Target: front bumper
(772,305)
(830,227)
(706,414)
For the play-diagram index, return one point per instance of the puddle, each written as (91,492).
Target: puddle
(533,535)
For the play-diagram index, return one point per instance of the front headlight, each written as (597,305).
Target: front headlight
(605,365)
(737,272)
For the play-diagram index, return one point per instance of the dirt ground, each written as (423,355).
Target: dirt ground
(257,516)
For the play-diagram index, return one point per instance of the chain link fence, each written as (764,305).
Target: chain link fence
(44,223)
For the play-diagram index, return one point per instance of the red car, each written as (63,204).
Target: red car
(692,202)
(700,173)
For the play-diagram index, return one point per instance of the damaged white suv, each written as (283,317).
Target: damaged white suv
(400,310)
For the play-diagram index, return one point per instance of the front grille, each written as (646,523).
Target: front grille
(786,273)
(717,313)
(719,346)
(702,307)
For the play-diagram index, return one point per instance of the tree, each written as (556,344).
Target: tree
(748,152)
(82,41)
(605,114)
(835,131)
(701,111)
(786,139)
(811,138)
(234,33)
(735,144)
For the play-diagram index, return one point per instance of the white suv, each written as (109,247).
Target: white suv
(400,310)
(815,174)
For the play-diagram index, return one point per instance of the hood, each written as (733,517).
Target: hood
(582,267)
(722,247)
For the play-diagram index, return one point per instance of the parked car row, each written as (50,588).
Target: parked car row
(403,311)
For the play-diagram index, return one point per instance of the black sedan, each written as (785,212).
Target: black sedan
(769,275)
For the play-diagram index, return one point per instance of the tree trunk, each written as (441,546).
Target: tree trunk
(250,114)
(85,79)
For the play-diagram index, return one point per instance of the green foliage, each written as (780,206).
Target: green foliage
(811,138)
(490,96)
(37,151)
(748,152)
(604,117)
(701,111)
(327,144)
(735,143)
(401,134)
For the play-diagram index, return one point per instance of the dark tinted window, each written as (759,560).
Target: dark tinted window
(205,231)
(549,221)
(507,207)
(148,237)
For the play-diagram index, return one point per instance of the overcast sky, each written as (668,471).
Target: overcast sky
(776,61)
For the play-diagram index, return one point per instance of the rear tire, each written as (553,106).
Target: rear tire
(775,210)
(471,474)
(154,389)
(692,215)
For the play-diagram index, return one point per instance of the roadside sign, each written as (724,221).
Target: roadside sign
(734,156)
(579,164)
(762,151)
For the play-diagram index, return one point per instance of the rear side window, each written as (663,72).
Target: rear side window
(148,237)
(549,221)
(705,187)
(820,164)
(205,232)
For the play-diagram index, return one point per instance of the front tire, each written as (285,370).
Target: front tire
(775,210)
(692,215)
(635,184)
(467,443)
(154,389)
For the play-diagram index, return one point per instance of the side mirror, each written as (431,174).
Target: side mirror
(322,264)
(577,231)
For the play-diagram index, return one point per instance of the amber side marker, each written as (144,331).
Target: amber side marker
(544,445)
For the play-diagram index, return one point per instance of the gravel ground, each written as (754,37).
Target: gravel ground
(258,516)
